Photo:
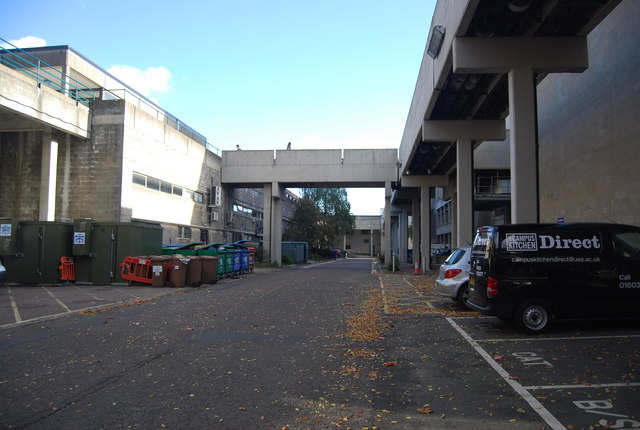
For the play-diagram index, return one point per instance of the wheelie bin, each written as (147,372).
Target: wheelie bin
(194,271)
(209,269)
(182,249)
(178,273)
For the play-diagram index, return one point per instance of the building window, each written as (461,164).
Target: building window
(366,241)
(139,179)
(184,232)
(165,187)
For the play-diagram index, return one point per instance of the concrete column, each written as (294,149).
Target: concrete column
(48,174)
(454,220)
(403,225)
(523,146)
(386,239)
(266,222)
(371,243)
(425,228)
(415,222)
(464,196)
(276,222)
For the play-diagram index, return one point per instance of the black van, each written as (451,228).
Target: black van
(533,273)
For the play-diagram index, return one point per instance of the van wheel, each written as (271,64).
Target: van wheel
(533,317)
(463,295)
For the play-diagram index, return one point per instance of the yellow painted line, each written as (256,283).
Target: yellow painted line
(56,299)
(14,306)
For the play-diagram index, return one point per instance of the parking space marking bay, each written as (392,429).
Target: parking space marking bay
(547,416)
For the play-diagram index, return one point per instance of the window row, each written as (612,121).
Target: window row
(247,211)
(167,187)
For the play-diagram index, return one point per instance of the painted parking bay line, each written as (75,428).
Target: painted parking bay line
(14,306)
(517,387)
(57,300)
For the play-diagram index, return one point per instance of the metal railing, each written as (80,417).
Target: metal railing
(44,73)
(492,186)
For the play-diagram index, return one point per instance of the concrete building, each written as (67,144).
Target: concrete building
(557,81)
(366,239)
(123,159)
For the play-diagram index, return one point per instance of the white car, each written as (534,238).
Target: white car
(3,274)
(453,278)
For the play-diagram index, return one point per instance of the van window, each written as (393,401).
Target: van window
(483,242)
(626,244)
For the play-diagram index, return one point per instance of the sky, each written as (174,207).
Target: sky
(256,73)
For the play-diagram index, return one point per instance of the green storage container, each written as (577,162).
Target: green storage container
(40,246)
(110,244)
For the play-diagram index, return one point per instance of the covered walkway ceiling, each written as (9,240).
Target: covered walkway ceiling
(465,96)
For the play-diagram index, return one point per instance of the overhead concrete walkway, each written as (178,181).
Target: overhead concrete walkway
(276,170)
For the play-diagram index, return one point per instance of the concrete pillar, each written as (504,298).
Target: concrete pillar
(48,174)
(266,222)
(523,146)
(403,242)
(276,222)
(415,222)
(386,239)
(425,228)
(464,196)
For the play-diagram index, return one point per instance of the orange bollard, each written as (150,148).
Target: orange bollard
(416,268)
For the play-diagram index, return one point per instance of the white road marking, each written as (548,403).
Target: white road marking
(517,387)
(571,387)
(525,339)
(316,265)
(56,299)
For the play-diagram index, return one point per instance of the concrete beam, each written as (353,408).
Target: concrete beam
(424,181)
(449,131)
(500,54)
(351,167)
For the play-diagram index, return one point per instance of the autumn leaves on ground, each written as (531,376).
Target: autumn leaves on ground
(366,360)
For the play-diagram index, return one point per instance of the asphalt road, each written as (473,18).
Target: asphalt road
(285,350)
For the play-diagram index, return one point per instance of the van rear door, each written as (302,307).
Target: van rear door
(481,252)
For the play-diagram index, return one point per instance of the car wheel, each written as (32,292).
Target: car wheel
(533,317)
(463,295)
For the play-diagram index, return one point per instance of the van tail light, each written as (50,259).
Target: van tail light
(492,287)
(452,273)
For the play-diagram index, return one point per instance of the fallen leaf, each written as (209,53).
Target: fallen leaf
(425,410)
(389,363)
(498,357)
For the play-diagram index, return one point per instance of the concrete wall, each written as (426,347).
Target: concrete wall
(21,94)
(589,133)
(491,155)
(20,158)
(90,171)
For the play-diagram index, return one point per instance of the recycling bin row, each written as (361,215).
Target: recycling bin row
(171,270)
(233,259)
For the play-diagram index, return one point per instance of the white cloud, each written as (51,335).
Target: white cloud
(26,42)
(147,82)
